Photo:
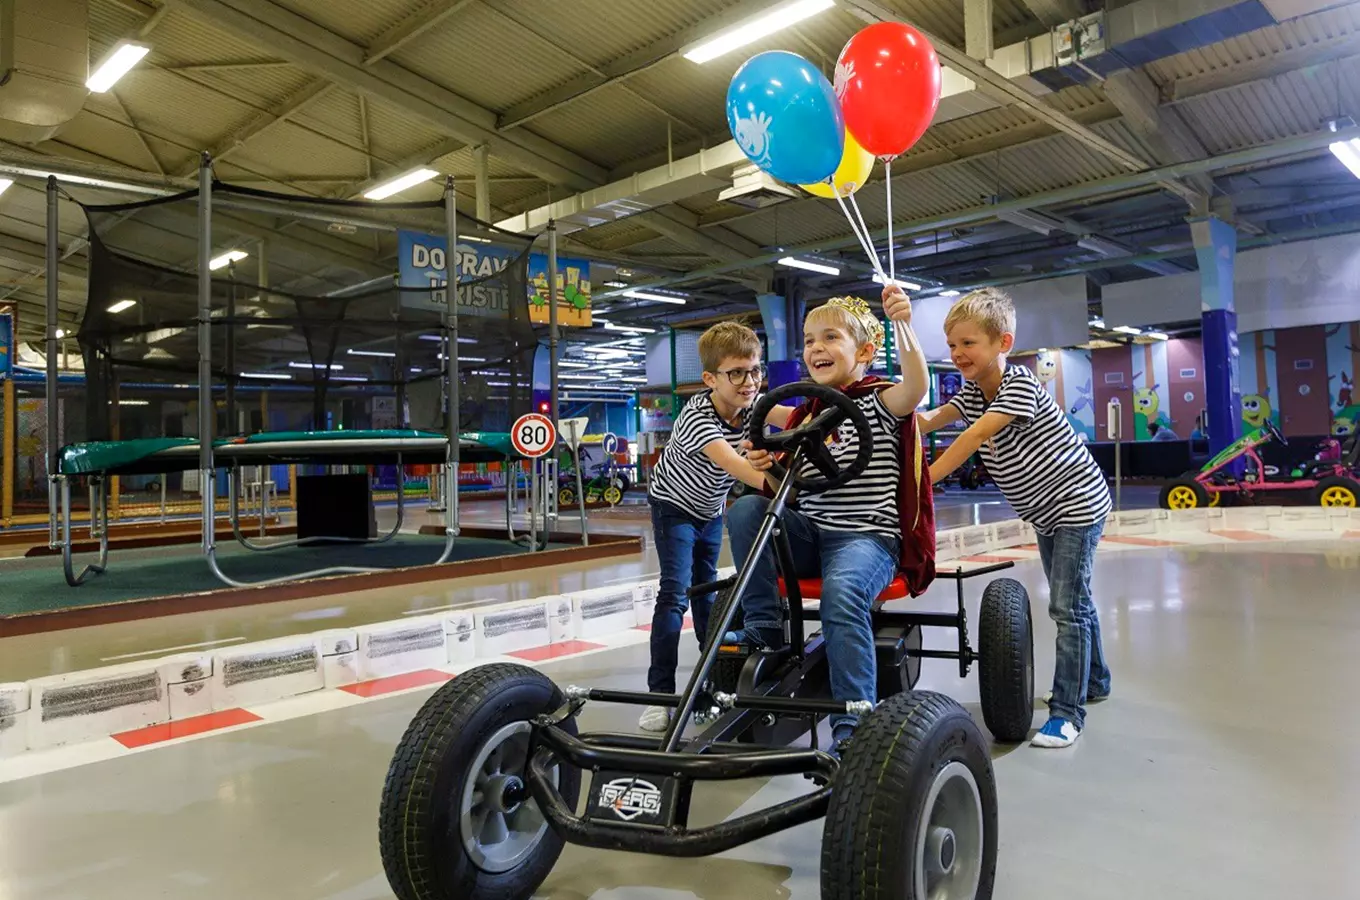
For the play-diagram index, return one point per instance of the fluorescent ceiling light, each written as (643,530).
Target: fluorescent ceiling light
(436,337)
(904,285)
(1156,335)
(387,354)
(794,263)
(115,66)
(659,298)
(610,326)
(303,365)
(60,334)
(568,364)
(122,305)
(134,402)
(401,183)
(950,293)
(271,376)
(1097,323)
(1128,329)
(475,240)
(6,184)
(616,284)
(776,18)
(227,259)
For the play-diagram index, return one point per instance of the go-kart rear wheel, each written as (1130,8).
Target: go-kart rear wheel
(457,821)
(913,810)
(566,497)
(1338,491)
(612,495)
(1184,493)
(1006,660)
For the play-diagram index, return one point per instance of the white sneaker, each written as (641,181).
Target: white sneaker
(655,718)
(1056,734)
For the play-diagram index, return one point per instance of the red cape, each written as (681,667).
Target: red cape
(915,499)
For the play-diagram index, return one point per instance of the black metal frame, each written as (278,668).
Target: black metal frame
(749,730)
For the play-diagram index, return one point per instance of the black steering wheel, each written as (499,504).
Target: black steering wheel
(810,435)
(1275,432)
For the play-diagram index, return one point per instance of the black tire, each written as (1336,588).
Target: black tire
(1183,493)
(725,675)
(1336,490)
(420,833)
(878,825)
(1006,660)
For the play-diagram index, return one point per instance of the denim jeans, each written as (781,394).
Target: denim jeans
(854,567)
(1080,670)
(688,549)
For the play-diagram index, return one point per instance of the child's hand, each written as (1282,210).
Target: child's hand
(760,460)
(896,305)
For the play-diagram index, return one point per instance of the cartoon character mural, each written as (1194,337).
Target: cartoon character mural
(1259,380)
(1085,403)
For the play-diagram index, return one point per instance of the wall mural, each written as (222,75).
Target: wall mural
(1302,379)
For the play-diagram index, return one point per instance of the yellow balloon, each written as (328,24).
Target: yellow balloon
(850,175)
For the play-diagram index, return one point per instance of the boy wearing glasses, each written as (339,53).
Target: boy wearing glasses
(688,493)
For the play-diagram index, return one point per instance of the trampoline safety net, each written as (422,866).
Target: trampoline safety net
(311,326)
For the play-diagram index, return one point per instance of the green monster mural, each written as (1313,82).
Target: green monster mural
(1256,410)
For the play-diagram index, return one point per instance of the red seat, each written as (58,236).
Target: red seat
(811,589)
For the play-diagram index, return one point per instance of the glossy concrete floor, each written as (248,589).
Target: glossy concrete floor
(1224,765)
(84,648)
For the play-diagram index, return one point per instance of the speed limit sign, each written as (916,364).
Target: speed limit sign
(533,435)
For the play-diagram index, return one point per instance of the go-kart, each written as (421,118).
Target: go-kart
(1330,481)
(485,785)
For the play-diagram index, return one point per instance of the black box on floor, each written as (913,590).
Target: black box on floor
(337,506)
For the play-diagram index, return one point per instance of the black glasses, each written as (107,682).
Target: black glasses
(739,376)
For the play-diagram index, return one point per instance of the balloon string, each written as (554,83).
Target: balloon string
(863,241)
(900,332)
(892,261)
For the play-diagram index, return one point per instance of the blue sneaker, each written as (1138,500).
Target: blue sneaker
(1056,734)
(760,638)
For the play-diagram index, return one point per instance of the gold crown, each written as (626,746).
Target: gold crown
(860,310)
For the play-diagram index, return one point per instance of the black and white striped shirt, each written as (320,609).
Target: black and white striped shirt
(684,475)
(869,502)
(1048,476)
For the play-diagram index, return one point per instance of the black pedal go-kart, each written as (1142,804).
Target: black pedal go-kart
(486,785)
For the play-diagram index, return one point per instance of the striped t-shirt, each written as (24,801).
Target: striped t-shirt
(869,502)
(684,475)
(1047,474)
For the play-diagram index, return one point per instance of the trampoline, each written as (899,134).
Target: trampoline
(297,365)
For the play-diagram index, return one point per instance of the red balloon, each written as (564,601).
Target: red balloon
(888,82)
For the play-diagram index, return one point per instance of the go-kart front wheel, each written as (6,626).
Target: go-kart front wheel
(1184,493)
(457,821)
(1337,491)
(913,807)
(1006,660)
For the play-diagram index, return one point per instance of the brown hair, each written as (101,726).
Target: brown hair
(989,308)
(724,340)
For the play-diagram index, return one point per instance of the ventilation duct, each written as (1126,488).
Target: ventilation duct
(44,62)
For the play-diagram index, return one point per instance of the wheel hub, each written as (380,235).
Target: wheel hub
(948,857)
(941,849)
(499,823)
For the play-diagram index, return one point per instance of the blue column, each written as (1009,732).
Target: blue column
(1216,250)
(774,317)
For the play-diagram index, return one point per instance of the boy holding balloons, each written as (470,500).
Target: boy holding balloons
(857,537)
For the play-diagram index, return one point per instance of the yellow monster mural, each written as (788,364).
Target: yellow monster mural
(1146,407)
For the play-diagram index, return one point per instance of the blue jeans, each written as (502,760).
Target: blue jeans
(688,548)
(1080,671)
(854,567)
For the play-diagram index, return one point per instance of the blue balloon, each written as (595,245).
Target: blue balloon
(786,118)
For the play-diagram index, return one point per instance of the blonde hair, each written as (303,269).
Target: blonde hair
(988,308)
(852,314)
(724,340)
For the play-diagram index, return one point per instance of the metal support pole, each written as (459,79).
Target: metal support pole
(552,322)
(451,358)
(580,483)
(207,488)
(533,504)
(53,434)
